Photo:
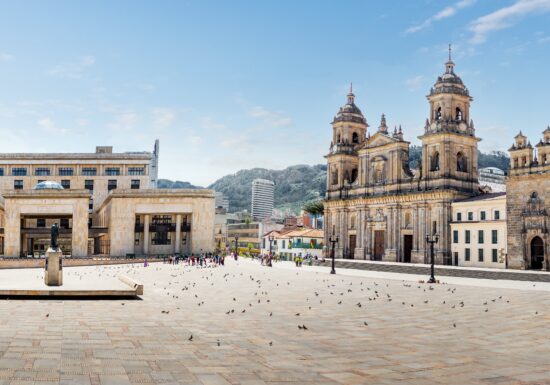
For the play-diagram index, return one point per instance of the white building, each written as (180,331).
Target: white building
(262,198)
(478,231)
(294,243)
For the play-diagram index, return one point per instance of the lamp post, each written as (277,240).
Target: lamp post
(236,246)
(271,238)
(333,240)
(432,239)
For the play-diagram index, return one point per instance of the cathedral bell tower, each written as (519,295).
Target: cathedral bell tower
(449,144)
(349,128)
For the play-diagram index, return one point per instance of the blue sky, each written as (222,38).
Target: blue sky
(228,85)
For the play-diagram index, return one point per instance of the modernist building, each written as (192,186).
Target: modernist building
(262,199)
(104,202)
(377,207)
(528,203)
(478,231)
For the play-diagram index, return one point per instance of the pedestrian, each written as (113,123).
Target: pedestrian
(145,263)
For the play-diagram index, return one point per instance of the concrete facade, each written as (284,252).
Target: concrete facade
(478,231)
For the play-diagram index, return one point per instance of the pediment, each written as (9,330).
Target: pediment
(380,139)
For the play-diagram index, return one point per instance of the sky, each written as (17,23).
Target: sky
(228,85)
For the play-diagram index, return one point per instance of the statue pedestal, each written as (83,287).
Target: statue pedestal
(53,273)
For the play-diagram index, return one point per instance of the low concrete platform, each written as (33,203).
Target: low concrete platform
(78,283)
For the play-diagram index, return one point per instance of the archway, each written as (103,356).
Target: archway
(537,253)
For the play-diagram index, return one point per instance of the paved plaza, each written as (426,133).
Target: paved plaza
(249,324)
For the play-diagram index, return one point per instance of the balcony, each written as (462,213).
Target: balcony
(302,245)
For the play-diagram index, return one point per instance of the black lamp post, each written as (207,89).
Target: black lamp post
(432,239)
(271,238)
(236,246)
(333,240)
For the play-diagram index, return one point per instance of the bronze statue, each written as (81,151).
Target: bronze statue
(54,233)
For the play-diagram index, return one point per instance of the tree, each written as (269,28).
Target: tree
(315,208)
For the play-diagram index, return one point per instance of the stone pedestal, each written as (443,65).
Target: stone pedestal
(53,272)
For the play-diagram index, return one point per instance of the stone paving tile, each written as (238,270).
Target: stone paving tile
(497,336)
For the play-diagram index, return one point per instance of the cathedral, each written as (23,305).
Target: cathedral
(375,204)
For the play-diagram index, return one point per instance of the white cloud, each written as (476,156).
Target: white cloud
(163,117)
(414,83)
(210,124)
(48,125)
(125,120)
(195,140)
(73,70)
(505,18)
(443,14)
(5,57)
(271,118)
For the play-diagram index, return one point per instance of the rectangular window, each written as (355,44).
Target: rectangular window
(65,171)
(263,243)
(455,236)
(1,171)
(161,238)
(135,184)
(480,255)
(64,223)
(40,222)
(480,237)
(89,184)
(434,227)
(42,171)
(19,171)
(497,214)
(494,237)
(458,217)
(91,205)
(482,215)
(495,255)
(66,184)
(284,244)
(136,171)
(89,171)
(18,184)
(112,171)
(470,216)
(111,184)
(467,236)
(467,255)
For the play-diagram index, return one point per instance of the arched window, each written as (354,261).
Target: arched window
(346,176)
(438,114)
(434,164)
(335,176)
(355,138)
(458,114)
(353,175)
(407,219)
(461,162)
(352,222)
(338,138)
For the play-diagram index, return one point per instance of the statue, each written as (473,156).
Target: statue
(54,233)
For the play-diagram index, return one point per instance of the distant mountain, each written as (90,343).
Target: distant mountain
(166,183)
(296,185)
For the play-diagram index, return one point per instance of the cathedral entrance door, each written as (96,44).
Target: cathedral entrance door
(407,247)
(378,244)
(537,253)
(352,244)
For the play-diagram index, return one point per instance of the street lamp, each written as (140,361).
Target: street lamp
(432,239)
(271,238)
(236,246)
(333,240)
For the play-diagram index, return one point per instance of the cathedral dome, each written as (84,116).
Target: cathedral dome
(48,185)
(449,82)
(349,112)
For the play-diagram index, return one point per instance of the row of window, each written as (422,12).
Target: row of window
(480,236)
(63,223)
(482,216)
(480,255)
(69,171)
(88,184)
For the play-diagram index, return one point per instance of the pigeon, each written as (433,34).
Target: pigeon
(190,338)
(365,323)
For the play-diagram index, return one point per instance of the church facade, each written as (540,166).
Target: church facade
(377,207)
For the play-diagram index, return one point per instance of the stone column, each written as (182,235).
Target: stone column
(80,229)
(177,246)
(146,218)
(12,231)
